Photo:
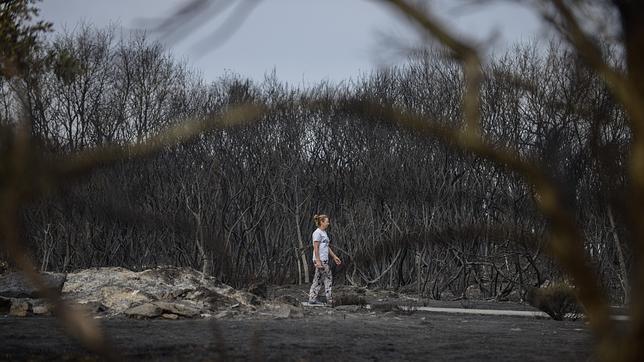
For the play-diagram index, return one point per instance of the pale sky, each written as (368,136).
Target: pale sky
(305,41)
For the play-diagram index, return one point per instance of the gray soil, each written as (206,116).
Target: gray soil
(323,334)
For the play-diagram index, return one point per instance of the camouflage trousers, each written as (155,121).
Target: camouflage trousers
(322,275)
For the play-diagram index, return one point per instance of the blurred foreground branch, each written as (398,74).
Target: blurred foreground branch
(567,242)
(27,176)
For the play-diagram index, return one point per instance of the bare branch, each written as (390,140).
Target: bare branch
(623,89)
(86,161)
(79,325)
(466,53)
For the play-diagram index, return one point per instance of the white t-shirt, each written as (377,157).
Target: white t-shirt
(321,236)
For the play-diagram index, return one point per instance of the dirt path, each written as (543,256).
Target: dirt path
(322,335)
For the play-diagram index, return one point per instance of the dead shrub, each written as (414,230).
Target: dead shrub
(559,301)
(349,299)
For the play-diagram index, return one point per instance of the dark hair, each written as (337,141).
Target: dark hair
(319,218)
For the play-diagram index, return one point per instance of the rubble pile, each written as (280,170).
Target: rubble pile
(163,292)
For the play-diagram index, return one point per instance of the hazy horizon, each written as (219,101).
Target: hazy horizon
(314,41)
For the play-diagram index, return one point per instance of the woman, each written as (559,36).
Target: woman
(321,252)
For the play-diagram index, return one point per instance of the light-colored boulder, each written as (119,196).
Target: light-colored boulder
(224,314)
(41,310)
(41,307)
(19,308)
(182,309)
(245,298)
(93,307)
(118,298)
(147,310)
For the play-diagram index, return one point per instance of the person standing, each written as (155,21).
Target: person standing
(321,253)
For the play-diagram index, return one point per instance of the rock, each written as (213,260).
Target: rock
(118,289)
(19,308)
(147,310)
(242,297)
(15,285)
(223,314)
(259,289)
(212,299)
(41,307)
(41,310)
(199,293)
(245,298)
(5,305)
(183,293)
(179,309)
(287,299)
(118,299)
(169,316)
(94,307)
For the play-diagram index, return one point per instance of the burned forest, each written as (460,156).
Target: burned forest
(408,211)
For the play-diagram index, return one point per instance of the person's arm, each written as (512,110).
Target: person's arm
(316,253)
(335,257)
